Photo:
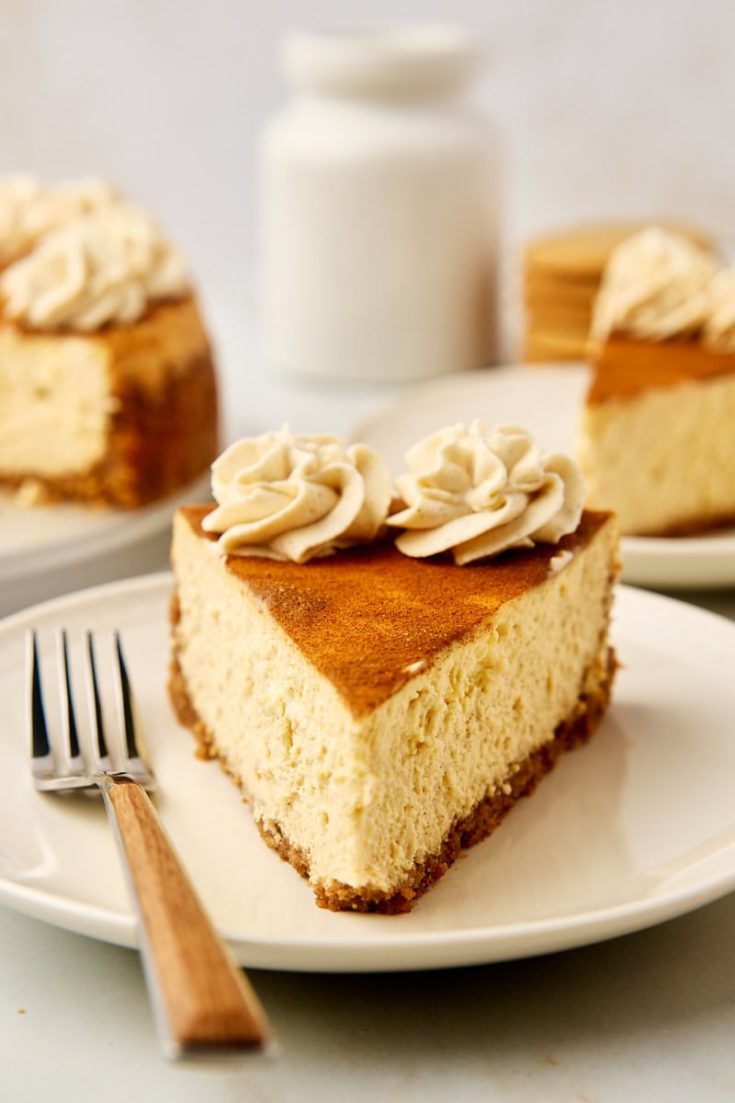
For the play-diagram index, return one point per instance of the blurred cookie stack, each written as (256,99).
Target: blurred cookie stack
(561,277)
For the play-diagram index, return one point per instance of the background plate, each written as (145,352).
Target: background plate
(602,848)
(50,550)
(547,400)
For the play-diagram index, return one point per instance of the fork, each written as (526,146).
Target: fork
(200,998)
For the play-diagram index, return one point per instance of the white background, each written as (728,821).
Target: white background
(603,108)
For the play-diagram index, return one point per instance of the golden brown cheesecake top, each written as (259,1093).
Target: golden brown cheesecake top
(624,367)
(394,613)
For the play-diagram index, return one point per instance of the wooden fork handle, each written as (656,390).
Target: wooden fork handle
(200,997)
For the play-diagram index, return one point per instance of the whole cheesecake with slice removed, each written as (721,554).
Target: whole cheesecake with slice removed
(107,385)
(382,710)
(120,417)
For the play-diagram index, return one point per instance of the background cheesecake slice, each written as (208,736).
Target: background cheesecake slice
(658,429)
(381,712)
(658,435)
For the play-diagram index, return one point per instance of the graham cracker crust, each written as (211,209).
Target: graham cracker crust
(478,825)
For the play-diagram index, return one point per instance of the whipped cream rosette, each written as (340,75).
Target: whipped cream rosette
(476,493)
(656,286)
(294,496)
(104,266)
(719,329)
(29,210)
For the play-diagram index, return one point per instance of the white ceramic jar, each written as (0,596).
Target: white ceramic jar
(378,210)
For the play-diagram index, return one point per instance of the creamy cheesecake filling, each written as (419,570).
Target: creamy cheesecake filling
(55,404)
(367,797)
(665,460)
(282,728)
(455,734)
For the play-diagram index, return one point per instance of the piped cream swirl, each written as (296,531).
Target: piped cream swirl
(29,210)
(104,266)
(476,493)
(719,329)
(656,286)
(298,497)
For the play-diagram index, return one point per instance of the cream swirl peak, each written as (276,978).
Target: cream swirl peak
(29,210)
(476,493)
(296,496)
(719,329)
(656,286)
(105,266)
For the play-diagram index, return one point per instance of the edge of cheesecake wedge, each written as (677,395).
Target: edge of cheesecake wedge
(380,712)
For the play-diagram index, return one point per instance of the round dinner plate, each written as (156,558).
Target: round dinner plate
(634,828)
(52,549)
(547,400)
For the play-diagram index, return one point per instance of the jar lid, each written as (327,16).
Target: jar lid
(393,61)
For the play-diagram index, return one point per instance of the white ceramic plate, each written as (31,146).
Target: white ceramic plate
(52,549)
(547,400)
(632,829)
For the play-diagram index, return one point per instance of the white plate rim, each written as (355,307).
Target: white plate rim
(139,526)
(470,946)
(705,561)
(427,950)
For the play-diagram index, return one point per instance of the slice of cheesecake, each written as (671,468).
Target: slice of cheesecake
(121,416)
(658,435)
(381,712)
(657,442)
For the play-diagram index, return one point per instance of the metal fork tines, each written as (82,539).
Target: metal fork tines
(67,767)
(199,997)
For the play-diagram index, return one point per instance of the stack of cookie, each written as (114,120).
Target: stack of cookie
(561,275)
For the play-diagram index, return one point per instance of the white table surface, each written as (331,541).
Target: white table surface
(647,1017)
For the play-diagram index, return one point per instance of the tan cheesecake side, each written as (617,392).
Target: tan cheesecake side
(380,712)
(121,416)
(657,442)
